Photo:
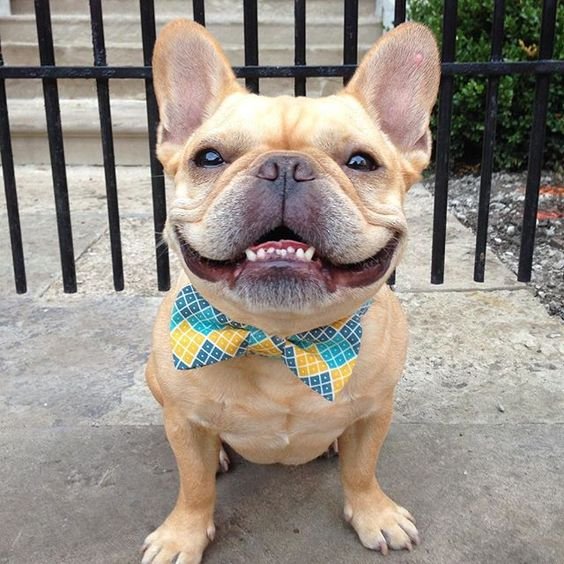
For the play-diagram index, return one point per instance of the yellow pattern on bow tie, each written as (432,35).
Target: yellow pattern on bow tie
(265,347)
(228,339)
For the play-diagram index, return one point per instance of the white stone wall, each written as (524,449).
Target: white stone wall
(385,12)
(4,7)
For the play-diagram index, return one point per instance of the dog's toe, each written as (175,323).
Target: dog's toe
(383,526)
(224,461)
(169,554)
(181,539)
(150,552)
(333,450)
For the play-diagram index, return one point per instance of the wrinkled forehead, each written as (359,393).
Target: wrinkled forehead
(290,123)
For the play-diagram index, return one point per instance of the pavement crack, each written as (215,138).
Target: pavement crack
(77,258)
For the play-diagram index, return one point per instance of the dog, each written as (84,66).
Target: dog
(281,335)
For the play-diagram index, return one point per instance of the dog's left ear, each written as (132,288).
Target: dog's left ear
(397,83)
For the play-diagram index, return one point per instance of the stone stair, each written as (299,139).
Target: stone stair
(122,30)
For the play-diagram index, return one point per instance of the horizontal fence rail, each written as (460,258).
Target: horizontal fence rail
(495,68)
(49,72)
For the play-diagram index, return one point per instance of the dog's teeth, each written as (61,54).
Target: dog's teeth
(309,253)
(263,253)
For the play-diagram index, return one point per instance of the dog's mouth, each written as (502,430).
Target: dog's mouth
(283,253)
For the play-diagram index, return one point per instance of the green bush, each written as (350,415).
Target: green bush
(516,93)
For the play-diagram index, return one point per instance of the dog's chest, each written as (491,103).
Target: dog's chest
(265,412)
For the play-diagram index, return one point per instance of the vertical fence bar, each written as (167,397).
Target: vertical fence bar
(250,29)
(148,32)
(10,190)
(446,91)
(299,44)
(399,12)
(199,13)
(536,145)
(399,18)
(488,144)
(56,147)
(350,38)
(103,92)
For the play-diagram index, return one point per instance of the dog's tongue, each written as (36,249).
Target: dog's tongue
(283,244)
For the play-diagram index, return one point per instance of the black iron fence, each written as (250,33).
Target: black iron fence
(252,72)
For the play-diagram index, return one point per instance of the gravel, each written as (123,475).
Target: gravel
(504,230)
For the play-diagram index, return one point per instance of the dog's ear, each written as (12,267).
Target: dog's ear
(397,83)
(191,77)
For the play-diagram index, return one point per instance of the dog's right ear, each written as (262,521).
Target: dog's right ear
(191,76)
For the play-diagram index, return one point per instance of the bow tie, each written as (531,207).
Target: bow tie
(322,358)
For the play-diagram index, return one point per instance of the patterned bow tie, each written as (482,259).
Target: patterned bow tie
(323,358)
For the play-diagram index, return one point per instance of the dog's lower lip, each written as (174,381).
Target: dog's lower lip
(333,275)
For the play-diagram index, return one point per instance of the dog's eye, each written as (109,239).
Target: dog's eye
(208,158)
(362,162)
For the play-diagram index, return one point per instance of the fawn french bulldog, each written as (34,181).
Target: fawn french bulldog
(280,336)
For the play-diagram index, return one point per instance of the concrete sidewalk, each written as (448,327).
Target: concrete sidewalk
(476,450)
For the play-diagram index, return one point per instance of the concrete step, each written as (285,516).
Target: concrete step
(23,89)
(122,54)
(134,89)
(81,127)
(81,130)
(184,7)
(228,28)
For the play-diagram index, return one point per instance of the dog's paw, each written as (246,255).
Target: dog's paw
(382,525)
(224,461)
(177,540)
(332,451)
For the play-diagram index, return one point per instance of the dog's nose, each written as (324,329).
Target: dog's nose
(287,167)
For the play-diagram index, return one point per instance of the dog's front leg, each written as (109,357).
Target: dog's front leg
(379,522)
(188,529)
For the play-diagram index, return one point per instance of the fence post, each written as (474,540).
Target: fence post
(488,144)
(536,146)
